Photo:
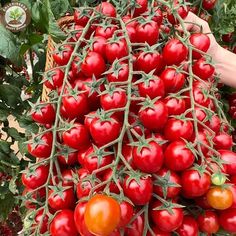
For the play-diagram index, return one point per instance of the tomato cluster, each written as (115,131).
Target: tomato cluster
(133,131)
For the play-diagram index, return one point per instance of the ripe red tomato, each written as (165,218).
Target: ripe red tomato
(77,137)
(194,184)
(230,161)
(127,211)
(41,146)
(139,192)
(149,61)
(63,224)
(201,42)
(202,202)
(227,37)
(223,141)
(158,232)
(39,218)
(174,52)
(93,64)
(136,227)
(220,198)
(148,158)
(173,80)
(120,72)
(161,180)
(227,220)
(63,54)
(127,152)
(79,219)
(114,99)
(214,123)
(116,50)
(113,188)
(106,9)
(147,32)
(102,215)
(105,31)
(151,87)
(54,79)
(105,131)
(62,200)
(208,222)
(155,116)
(76,106)
(176,106)
(81,16)
(94,160)
(44,114)
(203,69)
(67,157)
(181,10)
(68,177)
(176,129)
(140,7)
(189,227)
(88,119)
(34,178)
(209,4)
(165,220)
(38,195)
(178,156)
(99,45)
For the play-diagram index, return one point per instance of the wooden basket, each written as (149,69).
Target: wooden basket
(64,23)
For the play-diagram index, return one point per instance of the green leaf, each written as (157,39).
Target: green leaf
(9,47)
(59,7)
(27,123)
(3,115)
(14,133)
(13,186)
(7,203)
(10,95)
(4,147)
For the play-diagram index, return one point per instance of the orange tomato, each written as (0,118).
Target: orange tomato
(102,215)
(220,198)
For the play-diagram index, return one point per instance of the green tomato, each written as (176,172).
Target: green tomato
(218,179)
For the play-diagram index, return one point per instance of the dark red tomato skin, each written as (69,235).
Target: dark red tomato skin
(58,203)
(147,32)
(105,32)
(230,161)
(174,52)
(149,61)
(80,18)
(208,222)
(136,227)
(154,118)
(178,157)
(194,185)
(175,106)
(91,161)
(164,220)
(127,152)
(104,132)
(209,4)
(116,50)
(63,56)
(113,188)
(46,115)
(172,192)
(139,193)
(36,179)
(227,219)
(57,77)
(143,4)
(63,224)
(233,191)
(123,73)
(106,9)
(182,11)
(127,211)
(176,129)
(42,150)
(154,88)
(69,160)
(77,137)
(148,159)
(223,141)
(79,219)
(158,232)
(173,80)
(202,69)
(99,46)
(75,108)
(214,123)
(93,64)
(202,202)
(81,156)
(189,227)
(201,42)
(67,177)
(38,219)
